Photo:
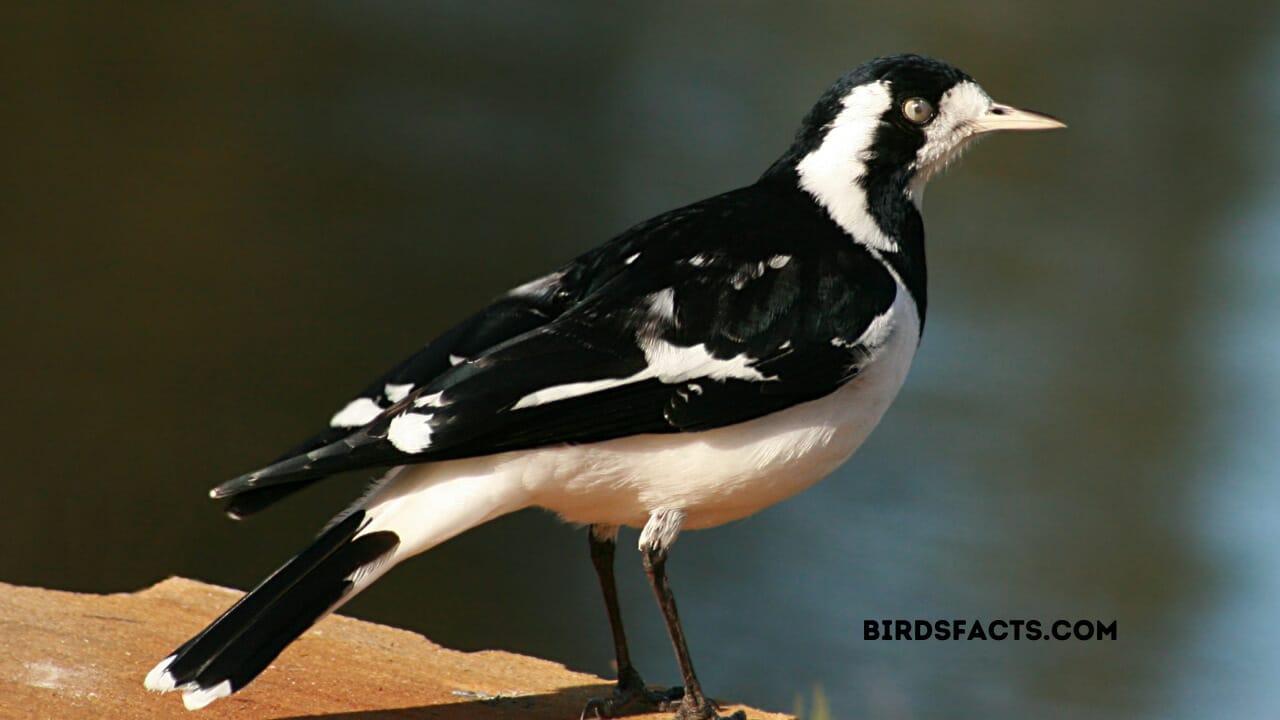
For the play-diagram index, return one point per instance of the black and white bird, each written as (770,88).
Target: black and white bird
(699,367)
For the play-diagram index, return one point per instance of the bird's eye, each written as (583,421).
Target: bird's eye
(918,110)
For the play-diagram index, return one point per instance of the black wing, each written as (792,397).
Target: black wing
(518,311)
(704,317)
(513,314)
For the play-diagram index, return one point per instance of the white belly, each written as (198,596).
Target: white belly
(724,474)
(713,477)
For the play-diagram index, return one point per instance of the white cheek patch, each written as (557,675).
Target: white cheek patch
(949,134)
(832,172)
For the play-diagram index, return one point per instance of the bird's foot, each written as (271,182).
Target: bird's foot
(706,710)
(630,697)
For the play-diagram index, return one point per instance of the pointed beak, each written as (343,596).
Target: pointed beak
(1006,117)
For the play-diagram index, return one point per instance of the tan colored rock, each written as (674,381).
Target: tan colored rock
(68,656)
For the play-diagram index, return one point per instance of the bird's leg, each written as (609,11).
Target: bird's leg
(604,543)
(630,694)
(658,534)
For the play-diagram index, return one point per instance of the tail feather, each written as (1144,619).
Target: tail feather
(250,502)
(359,450)
(410,510)
(241,643)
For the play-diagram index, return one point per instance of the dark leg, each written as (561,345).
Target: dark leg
(630,694)
(695,705)
(603,546)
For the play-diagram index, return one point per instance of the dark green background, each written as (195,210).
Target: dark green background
(216,222)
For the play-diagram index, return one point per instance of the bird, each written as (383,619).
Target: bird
(693,370)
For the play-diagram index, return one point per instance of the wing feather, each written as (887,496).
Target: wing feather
(690,322)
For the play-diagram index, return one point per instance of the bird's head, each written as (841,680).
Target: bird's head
(884,129)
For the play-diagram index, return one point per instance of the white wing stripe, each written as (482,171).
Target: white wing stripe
(669,363)
(568,390)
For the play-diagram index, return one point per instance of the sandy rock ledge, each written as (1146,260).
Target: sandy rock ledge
(69,655)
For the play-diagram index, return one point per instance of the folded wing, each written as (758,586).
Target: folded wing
(658,332)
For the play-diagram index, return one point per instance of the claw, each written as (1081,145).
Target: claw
(633,698)
(594,706)
(709,711)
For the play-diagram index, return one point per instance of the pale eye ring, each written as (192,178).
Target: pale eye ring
(918,110)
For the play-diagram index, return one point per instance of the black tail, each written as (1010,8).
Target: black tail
(230,653)
(252,501)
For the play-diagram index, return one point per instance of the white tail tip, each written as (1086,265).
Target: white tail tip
(159,679)
(199,697)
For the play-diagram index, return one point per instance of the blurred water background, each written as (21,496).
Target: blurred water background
(217,221)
